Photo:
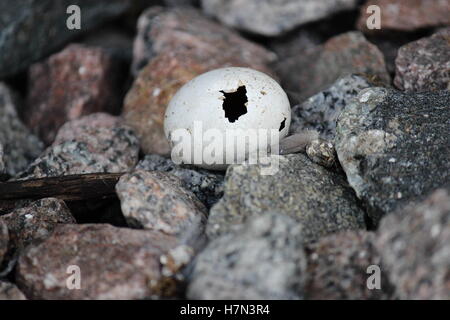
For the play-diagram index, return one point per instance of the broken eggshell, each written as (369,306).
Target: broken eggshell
(233,101)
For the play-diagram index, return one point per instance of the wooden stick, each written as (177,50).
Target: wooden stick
(69,188)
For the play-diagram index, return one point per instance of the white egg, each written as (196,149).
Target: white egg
(224,102)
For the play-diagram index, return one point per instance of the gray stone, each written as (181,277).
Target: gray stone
(317,199)
(2,162)
(9,291)
(394,146)
(206,185)
(115,263)
(273,17)
(415,247)
(20,147)
(322,152)
(4,240)
(35,222)
(188,31)
(316,69)
(340,266)
(92,148)
(320,112)
(264,259)
(157,201)
(424,65)
(26,37)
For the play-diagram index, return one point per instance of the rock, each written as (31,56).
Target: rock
(181,44)
(340,266)
(407,15)
(206,185)
(186,30)
(424,65)
(75,129)
(114,263)
(414,244)
(157,201)
(27,38)
(70,84)
(394,146)
(112,39)
(320,112)
(20,147)
(4,240)
(264,259)
(9,291)
(2,162)
(272,18)
(35,222)
(314,70)
(322,152)
(94,144)
(317,199)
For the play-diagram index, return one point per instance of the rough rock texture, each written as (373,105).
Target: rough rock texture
(273,17)
(206,185)
(394,147)
(35,222)
(20,147)
(9,291)
(114,263)
(322,152)
(414,244)
(317,199)
(338,268)
(2,162)
(157,201)
(94,144)
(407,15)
(75,129)
(181,44)
(318,68)
(26,37)
(264,259)
(70,84)
(186,30)
(4,240)
(320,112)
(424,65)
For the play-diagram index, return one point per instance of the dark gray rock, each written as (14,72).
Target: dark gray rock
(320,112)
(4,240)
(96,146)
(394,147)
(415,248)
(264,259)
(314,70)
(20,147)
(35,222)
(317,199)
(2,162)
(25,37)
(206,185)
(338,268)
(9,291)
(424,65)
(157,201)
(273,17)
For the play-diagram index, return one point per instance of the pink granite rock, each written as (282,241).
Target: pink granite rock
(72,83)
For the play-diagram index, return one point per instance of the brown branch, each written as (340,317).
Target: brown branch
(69,188)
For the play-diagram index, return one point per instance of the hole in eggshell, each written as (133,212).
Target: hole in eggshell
(282,125)
(235,103)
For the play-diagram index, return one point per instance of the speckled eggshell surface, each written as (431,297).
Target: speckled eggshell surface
(202,99)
